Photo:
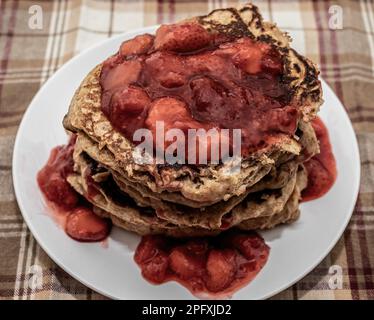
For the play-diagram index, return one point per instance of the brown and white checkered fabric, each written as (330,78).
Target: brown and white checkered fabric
(29,57)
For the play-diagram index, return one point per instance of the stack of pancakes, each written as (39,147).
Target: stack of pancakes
(197,200)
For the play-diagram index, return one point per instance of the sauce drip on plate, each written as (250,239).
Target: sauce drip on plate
(72,212)
(321,168)
(210,267)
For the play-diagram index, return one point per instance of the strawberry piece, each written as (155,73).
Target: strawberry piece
(249,245)
(150,255)
(138,45)
(176,115)
(212,64)
(156,268)
(58,190)
(243,244)
(209,97)
(283,120)
(52,177)
(167,69)
(250,56)
(128,109)
(83,225)
(185,37)
(149,247)
(186,264)
(221,268)
(197,246)
(173,112)
(172,80)
(112,61)
(272,62)
(120,75)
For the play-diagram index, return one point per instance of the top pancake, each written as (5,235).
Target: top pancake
(205,182)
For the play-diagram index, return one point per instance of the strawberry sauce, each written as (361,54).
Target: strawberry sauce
(191,79)
(321,168)
(210,267)
(69,209)
(52,177)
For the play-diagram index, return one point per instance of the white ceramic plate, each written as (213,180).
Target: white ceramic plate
(295,249)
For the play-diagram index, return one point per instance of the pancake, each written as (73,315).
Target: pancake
(99,187)
(288,214)
(146,184)
(202,185)
(144,221)
(307,140)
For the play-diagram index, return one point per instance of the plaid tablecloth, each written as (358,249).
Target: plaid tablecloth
(30,52)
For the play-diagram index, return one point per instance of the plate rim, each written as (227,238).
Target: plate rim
(55,258)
